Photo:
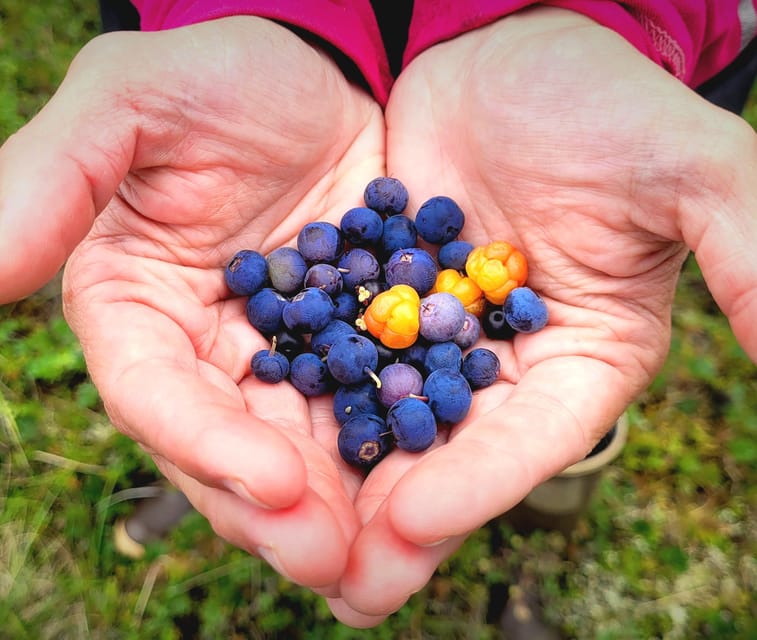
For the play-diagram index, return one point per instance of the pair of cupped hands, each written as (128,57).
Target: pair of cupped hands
(162,154)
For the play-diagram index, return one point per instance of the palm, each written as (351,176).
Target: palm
(167,345)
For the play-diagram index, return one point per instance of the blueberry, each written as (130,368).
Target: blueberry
(324,276)
(449,395)
(442,317)
(351,400)
(286,269)
(364,440)
(357,266)
(310,375)
(352,359)
(441,355)
(269,365)
(414,267)
(412,423)
(264,310)
(246,273)
(525,311)
(386,355)
(346,307)
(470,333)
(439,220)
(309,311)
(399,233)
(321,341)
(480,368)
(362,226)
(453,254)
(415,355)
(494,324)
(320,242)
(604,442)
(398,381)
(388,196)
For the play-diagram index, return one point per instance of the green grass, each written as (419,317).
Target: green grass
(666,551)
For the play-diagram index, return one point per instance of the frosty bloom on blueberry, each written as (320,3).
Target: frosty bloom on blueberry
(525,311)
(246,273)
(388,196)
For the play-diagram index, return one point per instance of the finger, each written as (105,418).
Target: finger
(316,560)
(57,173)
(385,569)
(550,420)
(158,393)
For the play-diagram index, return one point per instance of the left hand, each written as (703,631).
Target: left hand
(555,134)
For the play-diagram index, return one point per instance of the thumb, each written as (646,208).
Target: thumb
(58,172)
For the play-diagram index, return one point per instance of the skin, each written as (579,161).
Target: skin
(604,179)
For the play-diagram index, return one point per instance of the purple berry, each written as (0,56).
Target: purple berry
(470,333)
(246,273)
(326,277)
(362,226)
(442,317)
(286,269)
(480,368)
(388,196)
(309,375)
(414,267)
(399,233)
(320,242)
(412,423)
(364,440)
(358,266)
(398,381)
(439,220)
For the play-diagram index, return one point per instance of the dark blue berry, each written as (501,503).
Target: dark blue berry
(398,381)
(480,368)
(412,423)
(355,399)
(352,359)
(399,233)
(346,307)
(324,276)
(414,267)
(289,344)
(364,440)
(357,266)
(388,196)
(452,255)
(264,310)
(494,324)
(286,269)
(439,220)
(320,242)
(309,311)
(269,365)
(246,273)
(470,333)
(362,226)
(415,355)
(321,341)
(449,395)
(525,311)
(441,355)
(310,375)
(442,316)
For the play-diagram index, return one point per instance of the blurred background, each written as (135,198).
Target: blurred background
(666,548)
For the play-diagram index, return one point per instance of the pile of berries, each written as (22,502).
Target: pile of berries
(361,311)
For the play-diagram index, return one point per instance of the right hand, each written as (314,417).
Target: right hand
(160,156)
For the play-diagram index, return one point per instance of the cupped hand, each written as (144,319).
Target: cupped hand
(160,156)
(555,135)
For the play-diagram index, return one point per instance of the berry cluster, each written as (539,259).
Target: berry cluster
(361,311)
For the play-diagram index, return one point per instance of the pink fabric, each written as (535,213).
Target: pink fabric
(349,25)
(693,39)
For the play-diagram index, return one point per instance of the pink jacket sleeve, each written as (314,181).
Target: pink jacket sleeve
(693,39)
(349,25)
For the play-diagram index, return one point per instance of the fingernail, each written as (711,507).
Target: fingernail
(237,487)
(436,543)
(270,556)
